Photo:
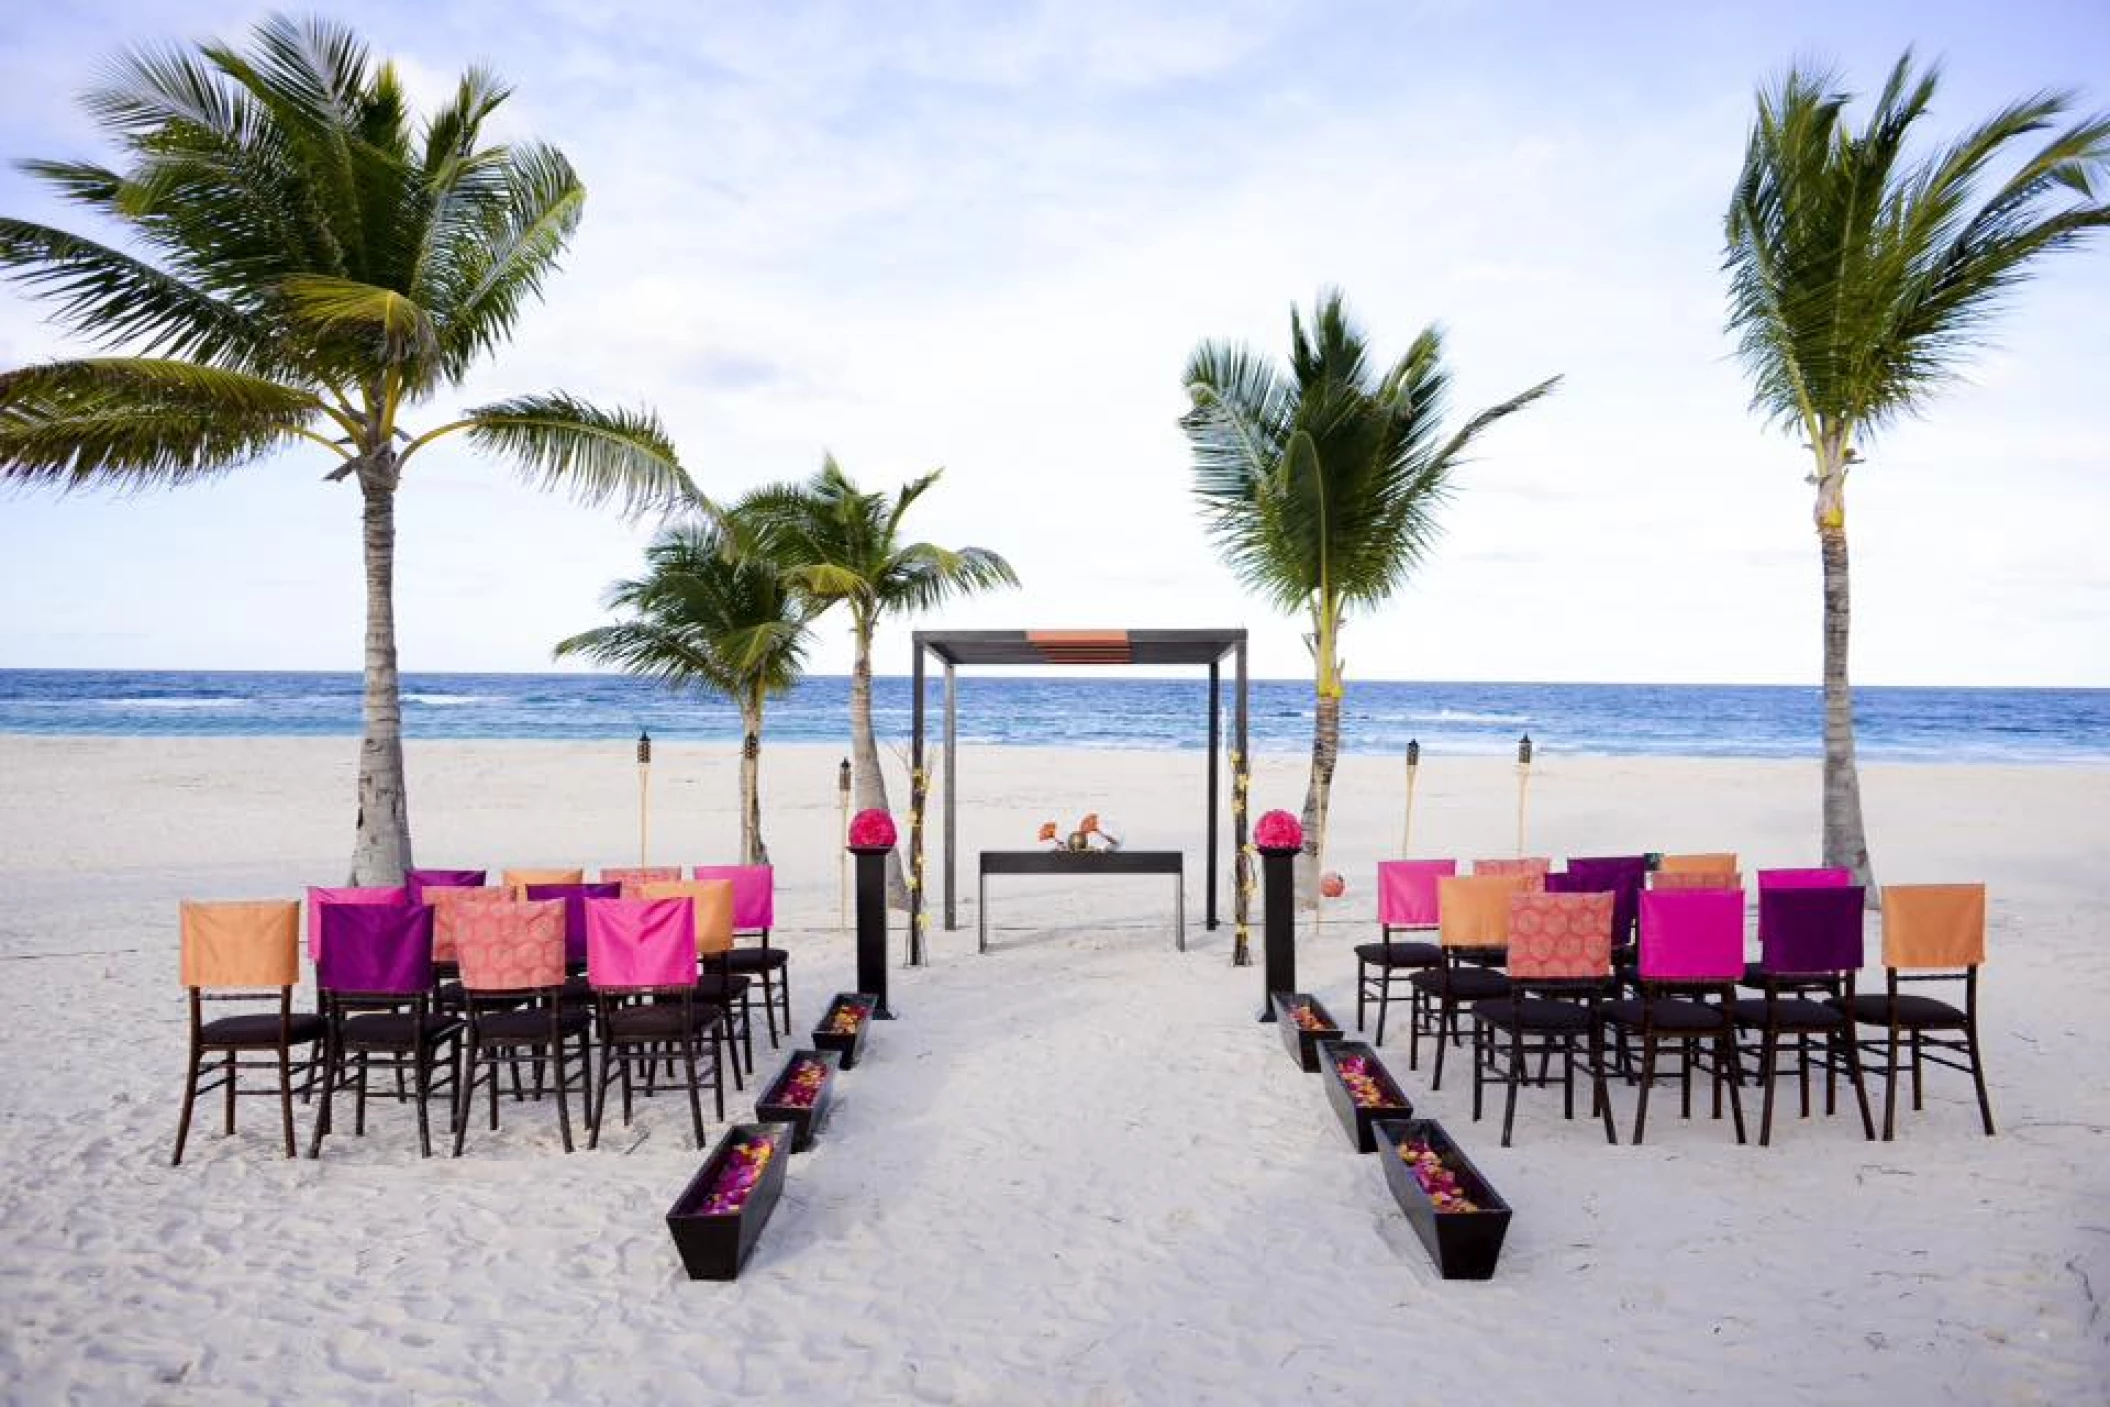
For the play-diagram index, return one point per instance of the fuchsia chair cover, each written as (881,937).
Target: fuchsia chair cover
(513,947)
(641,943)
(378,949)
(1692,935)
(1406,891)
(574,897)
(754,894)
(320,899)
(1804,879)
(1811,930)
(418,881)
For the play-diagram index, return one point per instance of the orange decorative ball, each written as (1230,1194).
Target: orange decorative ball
(1332,885)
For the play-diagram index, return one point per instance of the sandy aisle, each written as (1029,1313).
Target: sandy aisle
(1075,1170)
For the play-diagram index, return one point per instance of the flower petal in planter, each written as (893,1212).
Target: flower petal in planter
(843,1026)
(1456,1212)
(1361,1090)
(720,1214)
(1303,1024)
(801,1095)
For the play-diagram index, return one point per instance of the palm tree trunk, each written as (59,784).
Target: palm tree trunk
(752,850)
(1318,791)
(867,781)
(1845,839)
(381,840)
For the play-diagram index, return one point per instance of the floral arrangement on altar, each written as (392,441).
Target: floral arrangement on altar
(872,830)
(1279,830)
(1092,835)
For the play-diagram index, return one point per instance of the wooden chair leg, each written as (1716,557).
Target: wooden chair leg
(285,1097)
(1890,1089)
(1725,1056)
(230,1092)
(195,1068)
(1850,1039)
(1767,1069)
(1516,1074)
(1985,1105)
(1648,1079)
(688,1051)
(1917,1090)
(1598,1091)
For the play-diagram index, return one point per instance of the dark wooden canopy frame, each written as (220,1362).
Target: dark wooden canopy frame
(1082,647)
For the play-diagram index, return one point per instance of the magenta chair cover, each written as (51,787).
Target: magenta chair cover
(1804,879)
(320,899)
(754,894)
(641,942)
(1406,891)
(1811,930)
(418,881)
(574,897)
(1626,876)
(376,948)
(1692,935)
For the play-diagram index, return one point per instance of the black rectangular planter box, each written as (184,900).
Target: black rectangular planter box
(1303,1045)
(1464,1245)
(1357,1118)
(805,1120)
(850,1047)
(714,1247)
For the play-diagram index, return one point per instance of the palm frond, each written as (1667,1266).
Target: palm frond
(597,455)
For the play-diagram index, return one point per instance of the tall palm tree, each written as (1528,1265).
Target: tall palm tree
(300,264)
(1320,485)
(839,543)
(1860,280)
(708,615)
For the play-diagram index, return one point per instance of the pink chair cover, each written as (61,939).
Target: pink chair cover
(641,943)
(511,947)
(754,894)
(449,911)
(1529,864)
(1835,878)
(1560,935)
(636,877)
(318,896)
(1692,935)
(1406,891)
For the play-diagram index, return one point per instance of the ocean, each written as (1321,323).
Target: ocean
(1894,724)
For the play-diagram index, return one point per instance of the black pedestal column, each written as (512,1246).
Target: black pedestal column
(1278,908)
(871,925)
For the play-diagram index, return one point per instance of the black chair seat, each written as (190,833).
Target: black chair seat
(261,1029)
(1467,984)
(754,959)
(1914,1013)
(1534,1014)
(1669,1014)
(658,1022)
(527,1024)
(1399,954)
(1790,1014)
(397,1030)
(720,987)
(1756,977)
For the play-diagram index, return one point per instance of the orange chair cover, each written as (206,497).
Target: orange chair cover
(1720,861)
(241,944)
(1472,911)
(1696,879)
(713,899)
(519,880)
(1933,925)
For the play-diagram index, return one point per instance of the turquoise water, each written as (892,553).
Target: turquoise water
(1899,724)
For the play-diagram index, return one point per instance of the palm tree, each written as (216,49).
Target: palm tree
(707,615)
(1858,280)
(305,263)
(839,543)
(1320,486)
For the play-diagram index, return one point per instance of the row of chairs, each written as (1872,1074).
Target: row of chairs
(1531,995)
(525,979)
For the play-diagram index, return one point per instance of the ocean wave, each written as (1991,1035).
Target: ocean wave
(1456,715)
(170,703)
(451,700)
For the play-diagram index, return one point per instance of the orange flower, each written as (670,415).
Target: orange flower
(1090,824)
(1047,830)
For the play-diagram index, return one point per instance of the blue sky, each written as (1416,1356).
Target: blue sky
(986,237)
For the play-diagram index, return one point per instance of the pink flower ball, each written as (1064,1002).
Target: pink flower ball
(872,830)
(1332,885)
(1279,830)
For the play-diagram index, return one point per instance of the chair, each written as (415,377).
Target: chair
(1931,933)
(640,875)
(1692,946)
(1663,880)
(1717,861)
(1472,927)
(1809,943)
(641,960)
(1625,875)
(377,998)
(237,952)
(1827,878)
(417,882)
(519,880)
(754,912)
(728,991)
(320,898)
(1406,900)
(513,953)
(1560,965)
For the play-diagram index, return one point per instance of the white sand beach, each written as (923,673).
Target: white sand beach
(1076,1169)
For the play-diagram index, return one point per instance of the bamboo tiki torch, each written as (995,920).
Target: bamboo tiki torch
(1406,827)
(1523,782)
(842,797)
(644,788)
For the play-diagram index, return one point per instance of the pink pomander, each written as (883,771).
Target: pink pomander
(1279,830)
(872,830)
